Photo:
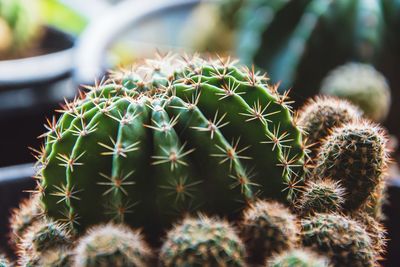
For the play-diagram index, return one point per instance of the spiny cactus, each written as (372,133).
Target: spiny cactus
(28,212)
(298,258)
(321,114)
(44,235)
(168,137)
(355,155)
(340,238)
(54,257)
(362,85)
(267,228)
(4,262)
(19,26)
(321,196)
(202,242)
(112,245)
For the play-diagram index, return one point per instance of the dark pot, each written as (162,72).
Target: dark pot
(30,89)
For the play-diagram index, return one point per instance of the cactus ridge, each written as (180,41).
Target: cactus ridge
(152,140)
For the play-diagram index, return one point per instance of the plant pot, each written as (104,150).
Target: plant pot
(30,89)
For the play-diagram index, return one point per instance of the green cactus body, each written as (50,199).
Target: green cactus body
(112,245)
(356,156)
(54,257)
(298,258)
(19,26)
(343,240)
(202,242)
(362,85)
(144,151)
(268,228)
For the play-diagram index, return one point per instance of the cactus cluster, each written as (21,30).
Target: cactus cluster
(168,137)
(362,85)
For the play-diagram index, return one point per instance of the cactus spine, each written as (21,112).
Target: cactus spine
(202,242)
(167,138)
(267,228)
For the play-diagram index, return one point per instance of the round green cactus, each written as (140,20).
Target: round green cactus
(19,26)
(202,242)
(357,157)
(340,238)
(267,228)
(362,85)
(169,137)
(298,258)
(112,245)
(322,196)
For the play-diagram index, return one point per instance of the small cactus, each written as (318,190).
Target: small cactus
(298,258)
(55,257)
(4,262)
(112,245)
(321,196)
(28,212)
(202,242)
(362,85)
(267,228)
(342,239)
(356,156)
(320,115)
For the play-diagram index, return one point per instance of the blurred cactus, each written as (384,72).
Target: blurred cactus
(168,138)
(4,262)
(356,156)
(268,228)
(54,257)
(202,242)
(19,27)
(112,245)
(341,239)
(361,84)
(298,258)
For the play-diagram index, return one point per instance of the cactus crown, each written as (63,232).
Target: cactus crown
(298,258)
(202,242)
(362,85)
(168,138)
(112,245)
(356,155)
(267,228)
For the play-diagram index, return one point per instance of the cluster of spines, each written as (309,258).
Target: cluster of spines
(297,257)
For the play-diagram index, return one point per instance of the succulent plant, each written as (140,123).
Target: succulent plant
(356,156)
(28,212)
(340,238)
(4,262)
(19,26)
(202,242)
(321,196)
(168,138)
(268,228)
(362,85)
(112,245)
(298,258)
(320,115)
(54,257)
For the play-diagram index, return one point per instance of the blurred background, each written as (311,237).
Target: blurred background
(48,48)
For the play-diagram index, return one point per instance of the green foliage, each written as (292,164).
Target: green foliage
(267,228)
(362,85)
(202,242)
(321,196)
(298,258)
(340,238)
(112,245)
(357,157)
(171,136)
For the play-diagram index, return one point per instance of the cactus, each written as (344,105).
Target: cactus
(298,258)
(342,239)
(355,155)
(322,196)
(202,242)
(19,27)
(54,257)
(28,212)
(267,228)
(362,85)
(167,138)
(44,235)
(112,245)
(4,262)
(321,114)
